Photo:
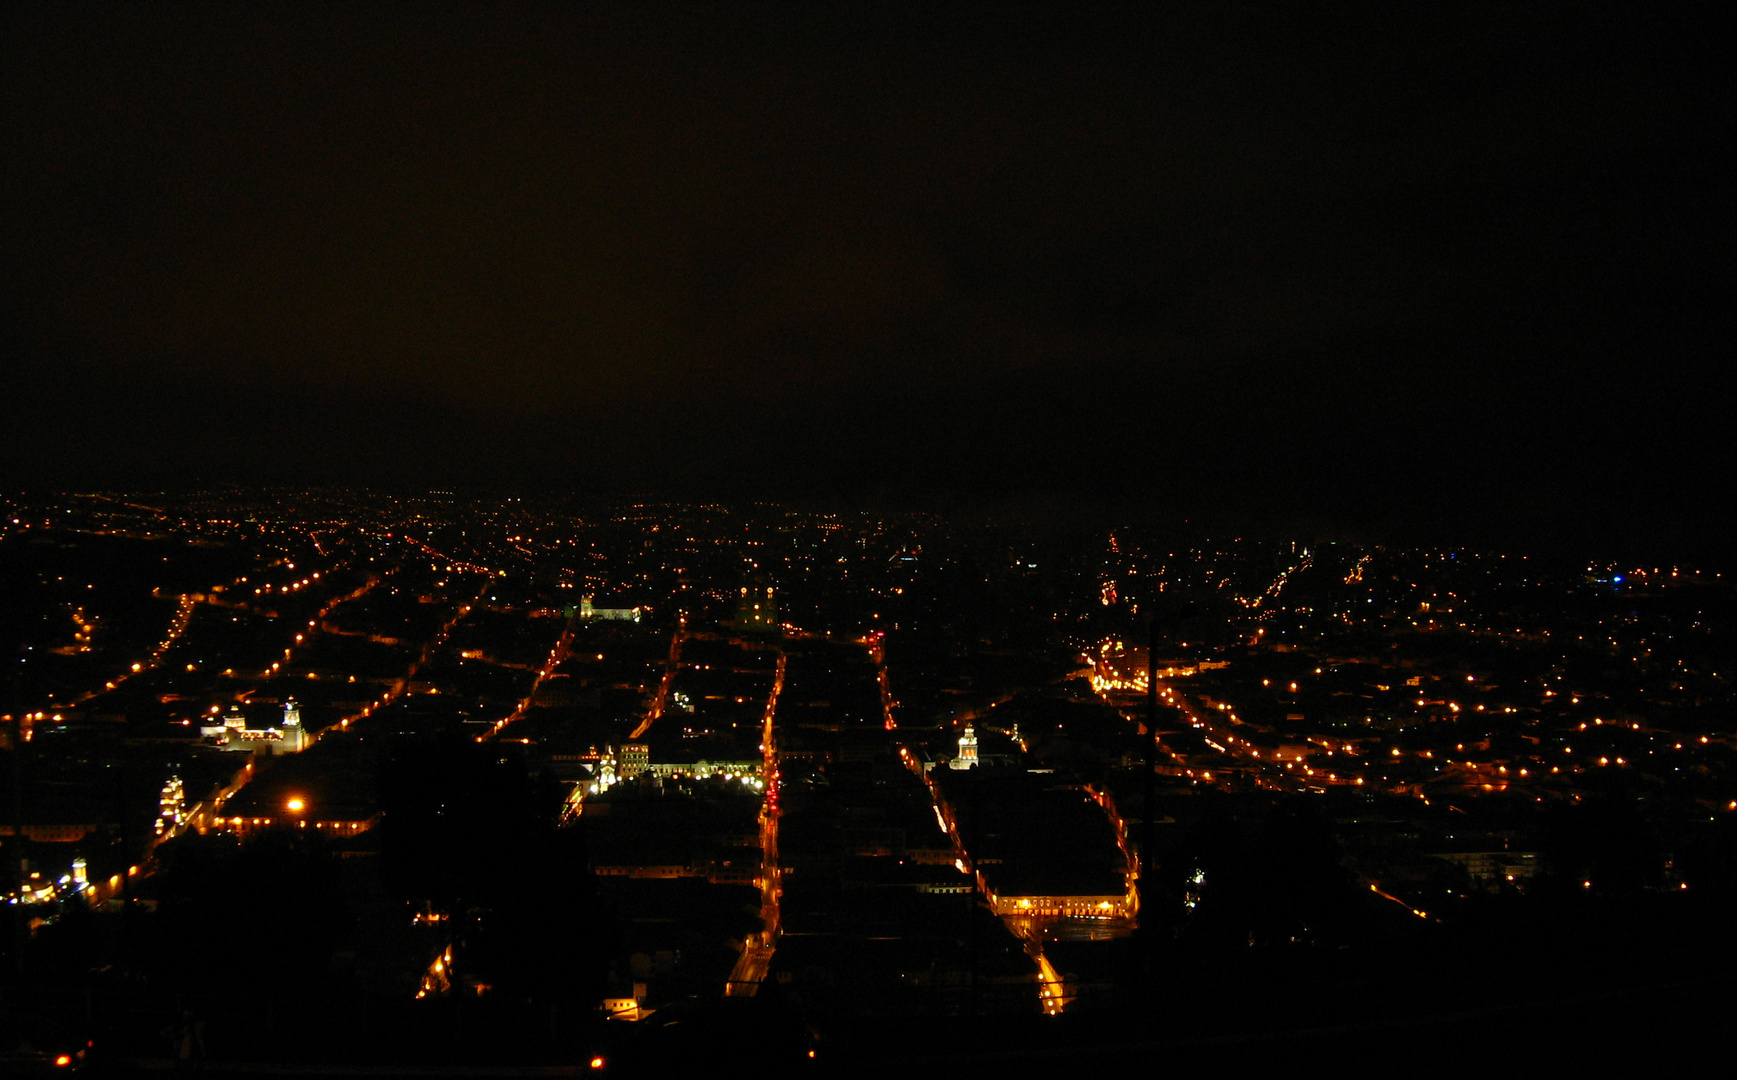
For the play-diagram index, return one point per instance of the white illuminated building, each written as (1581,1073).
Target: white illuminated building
(967,757)
(294,735)
(232,733)
(588,611)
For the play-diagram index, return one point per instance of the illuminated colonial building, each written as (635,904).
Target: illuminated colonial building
(295,736)
(967,758)
(757,609)
(589,611)
(632,760)
(232,733)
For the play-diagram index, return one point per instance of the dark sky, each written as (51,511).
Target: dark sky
(1393,270)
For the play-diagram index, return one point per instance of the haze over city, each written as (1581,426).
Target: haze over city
(1413,272)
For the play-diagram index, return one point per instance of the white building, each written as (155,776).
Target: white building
(967,757)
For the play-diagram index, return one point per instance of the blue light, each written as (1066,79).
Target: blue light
(1617,579)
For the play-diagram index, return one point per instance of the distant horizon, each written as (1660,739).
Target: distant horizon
(1040,512)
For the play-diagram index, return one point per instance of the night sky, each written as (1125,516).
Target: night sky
(1399,272)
